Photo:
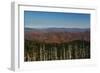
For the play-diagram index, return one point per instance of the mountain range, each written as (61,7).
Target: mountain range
(57,29)
(56,35)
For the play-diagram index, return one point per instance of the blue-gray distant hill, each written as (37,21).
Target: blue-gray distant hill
(57,29)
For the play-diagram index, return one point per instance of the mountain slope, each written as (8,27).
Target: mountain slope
(57,35)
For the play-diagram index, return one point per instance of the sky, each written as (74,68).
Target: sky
(37,19)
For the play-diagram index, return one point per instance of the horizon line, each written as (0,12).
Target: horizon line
(58,27)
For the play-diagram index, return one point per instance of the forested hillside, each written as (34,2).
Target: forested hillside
(62,45)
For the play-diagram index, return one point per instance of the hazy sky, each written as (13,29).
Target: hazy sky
(36,19)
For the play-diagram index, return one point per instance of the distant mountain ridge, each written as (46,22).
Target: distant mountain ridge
(58,29)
